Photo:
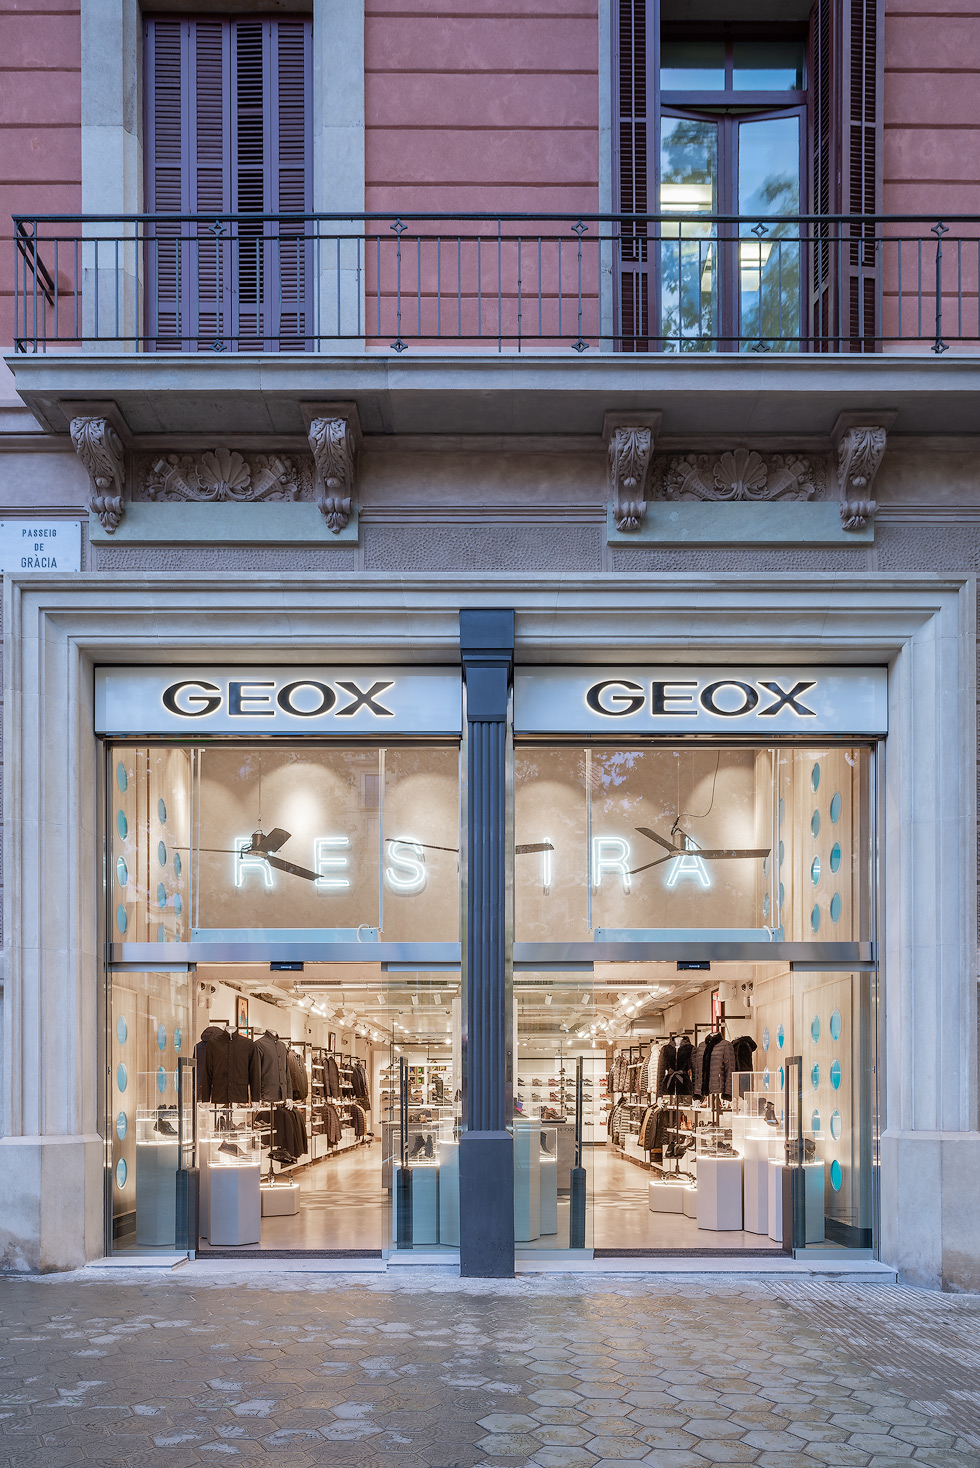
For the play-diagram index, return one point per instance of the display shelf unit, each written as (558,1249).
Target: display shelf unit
(547,1082)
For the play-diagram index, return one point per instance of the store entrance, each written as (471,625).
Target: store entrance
(281,1090)
(700,1088)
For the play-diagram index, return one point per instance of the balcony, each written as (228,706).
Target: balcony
(498,323)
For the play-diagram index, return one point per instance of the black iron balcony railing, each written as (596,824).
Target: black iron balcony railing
(671,282)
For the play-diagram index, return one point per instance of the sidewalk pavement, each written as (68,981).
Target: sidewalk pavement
(421,1370)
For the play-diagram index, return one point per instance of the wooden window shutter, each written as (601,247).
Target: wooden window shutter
(228,132)
(845,152)
(636,47)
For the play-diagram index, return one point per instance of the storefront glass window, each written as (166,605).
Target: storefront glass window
(269,838)
(665,839)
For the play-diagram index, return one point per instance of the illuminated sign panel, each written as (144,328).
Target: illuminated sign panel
(761,700)
(319,699)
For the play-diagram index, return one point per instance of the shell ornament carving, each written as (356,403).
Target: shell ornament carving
(224,476)
(739,475)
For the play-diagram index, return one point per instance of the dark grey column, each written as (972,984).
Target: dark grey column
(486,1153)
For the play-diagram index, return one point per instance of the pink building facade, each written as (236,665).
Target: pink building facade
(594,380)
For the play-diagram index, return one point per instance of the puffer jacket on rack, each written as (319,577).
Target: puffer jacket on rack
(332,1125)
(331,1077)
(296,1067)
(721,1066)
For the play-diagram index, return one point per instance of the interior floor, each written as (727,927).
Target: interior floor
(343,1206)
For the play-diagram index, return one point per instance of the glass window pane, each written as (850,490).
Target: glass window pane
(768,66)
(688,253)
(769,257)
(692,66)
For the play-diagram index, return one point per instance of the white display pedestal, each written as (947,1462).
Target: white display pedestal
(156,1193)
(280,1200)
(690,1201)
(449,1193)
(755,1184)
(813,1188)
(667,1197)
(527,1181)
(425,1205)
(720,1193)
(549,1194)
(236,1204)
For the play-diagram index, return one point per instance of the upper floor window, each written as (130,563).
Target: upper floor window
(738,132)
(227,137)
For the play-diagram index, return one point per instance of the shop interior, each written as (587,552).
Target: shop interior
(329,1097)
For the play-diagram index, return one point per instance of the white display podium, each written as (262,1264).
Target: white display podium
(280,1200)
(690,1204)
(527,1181)
(549,1194)
(156,1193)
(813,1187)
(667,1197)
(236,1203)
(719,1193)
(449,1193)
(755,1184)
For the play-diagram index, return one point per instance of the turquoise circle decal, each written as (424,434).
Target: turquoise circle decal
(122,920)
(835,857)
(122,1172)
(161,1079)
(815,823)
(162,853)
(161,933)
(766,1079)
(815,917)
(177,863)
(161,895)
(835,1075)
(122,1029)
(765,865)
(162,811)
(122,872)
(836,1126)
(122,779)
(836,1176)
(782,852)
(835,806)
(782,809)
(815,1077)
(815,1121)
(178,903)
(782,1078)
(835,1024)
(162,1036)
(765,905)
(835,908)
(765,1038)
(780,1037)
(815,1028)
(122,1077)
(815,779)
(782,895)
(122,825)
(177,1038)
(815,870)
(122,1125)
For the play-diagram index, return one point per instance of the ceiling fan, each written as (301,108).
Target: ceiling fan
(688,847)
(526,849)
(265,845)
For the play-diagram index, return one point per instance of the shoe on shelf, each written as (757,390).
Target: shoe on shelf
(428,1147)
(535,1095)
(163,1126)
(537,1082)
(230,1149)
(553,1096)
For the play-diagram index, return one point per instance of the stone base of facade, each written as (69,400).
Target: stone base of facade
(486,1205)
(930,1193)
(54,1202)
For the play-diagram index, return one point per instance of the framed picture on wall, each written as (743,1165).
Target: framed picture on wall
(715,1007)
(332,1040)
(241,1011)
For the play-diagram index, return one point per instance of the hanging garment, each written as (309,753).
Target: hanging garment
(331,1077)
(358,1079)
(274,1069)
(710,1042)
(721,1067)
(744,1047)
(332,1126)
(678,1077)
(228,1068)
(297,1075)
(652,1068)
(668,1057)
(697,1065)
(359,1120)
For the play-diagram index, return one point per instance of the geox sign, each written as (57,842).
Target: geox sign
(717,700)
(309,700)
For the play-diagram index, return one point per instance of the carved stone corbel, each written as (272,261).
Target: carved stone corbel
(334,435)
(859,446)
(100,449)
(631,439)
